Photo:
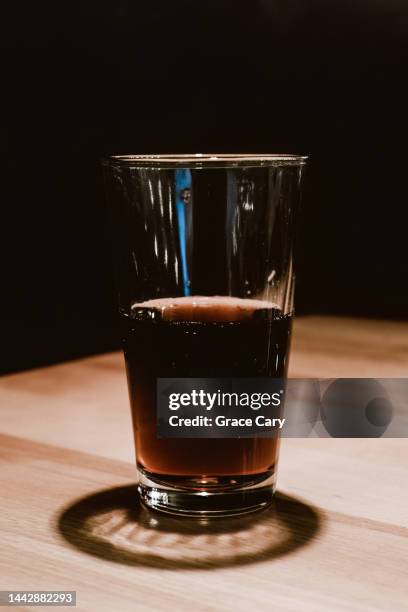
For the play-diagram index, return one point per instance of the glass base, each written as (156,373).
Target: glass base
(206,497)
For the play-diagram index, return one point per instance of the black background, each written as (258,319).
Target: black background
(316,77)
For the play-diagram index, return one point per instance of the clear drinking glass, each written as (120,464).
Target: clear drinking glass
(204,257)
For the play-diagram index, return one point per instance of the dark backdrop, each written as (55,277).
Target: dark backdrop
(311,76)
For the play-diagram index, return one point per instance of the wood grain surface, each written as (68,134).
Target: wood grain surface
(336,538)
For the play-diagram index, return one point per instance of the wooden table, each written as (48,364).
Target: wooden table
(336,538)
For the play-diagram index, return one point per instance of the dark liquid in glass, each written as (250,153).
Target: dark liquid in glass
(200,337)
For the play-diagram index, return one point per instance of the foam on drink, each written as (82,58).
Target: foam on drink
(204,308)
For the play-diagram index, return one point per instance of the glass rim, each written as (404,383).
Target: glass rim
(207,160)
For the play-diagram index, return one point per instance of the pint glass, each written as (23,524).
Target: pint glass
(205,273)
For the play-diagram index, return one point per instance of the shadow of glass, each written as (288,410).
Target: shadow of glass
(113,525)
